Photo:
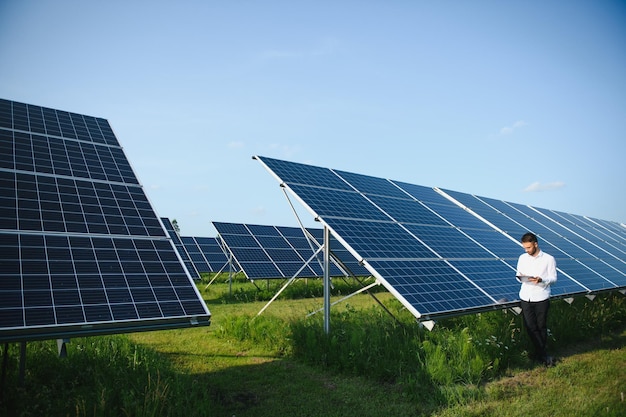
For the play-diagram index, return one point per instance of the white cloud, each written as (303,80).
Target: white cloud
(507,130)
(548,186)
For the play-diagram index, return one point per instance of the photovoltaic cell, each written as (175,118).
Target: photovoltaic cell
(443,252)
(81,250)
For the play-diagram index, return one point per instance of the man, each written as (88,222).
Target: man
(536,270)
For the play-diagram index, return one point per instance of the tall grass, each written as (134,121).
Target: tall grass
(455,358)
(240,289)
(104,377)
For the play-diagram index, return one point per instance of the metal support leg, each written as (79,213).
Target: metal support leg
(326,280)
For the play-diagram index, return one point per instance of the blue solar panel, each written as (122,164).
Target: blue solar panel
(266,252)
(249,254)
(340,203)
(195,254)
(444,252)
(494,277)
(405,210)
(180,248)
(488,213)
(589,231)
(430,286)
(213,253)
(495,242)
(562,243)
(370,185)
(449,242)
(563,248)
(613,227)
(345,258)
(380,240)
(81,248)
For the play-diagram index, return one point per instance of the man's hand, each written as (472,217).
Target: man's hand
(535,280)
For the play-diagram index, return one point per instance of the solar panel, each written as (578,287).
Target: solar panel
(275,252)
(213,253)
(81,249)
(180,248)
(348,263)
(195,254)
(443,252)
(563,244)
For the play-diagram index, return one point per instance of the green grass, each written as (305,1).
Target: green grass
(372,364)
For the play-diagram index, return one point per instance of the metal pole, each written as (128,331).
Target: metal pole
(326,280)
(230,276)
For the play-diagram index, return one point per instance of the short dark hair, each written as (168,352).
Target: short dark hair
(529,237)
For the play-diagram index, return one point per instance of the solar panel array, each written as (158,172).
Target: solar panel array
(274,252)
(180,248)
(199,254)
(442,252)
(81,249)
(206,253)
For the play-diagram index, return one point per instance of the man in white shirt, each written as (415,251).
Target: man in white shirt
(536,270)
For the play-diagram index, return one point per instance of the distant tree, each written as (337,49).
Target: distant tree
(175,225)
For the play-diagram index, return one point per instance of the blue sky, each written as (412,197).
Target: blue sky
(520,101)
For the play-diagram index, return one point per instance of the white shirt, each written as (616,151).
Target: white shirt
(543,266)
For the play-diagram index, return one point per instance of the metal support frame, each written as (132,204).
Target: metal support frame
(62,348)
(366,288)
(288,282)
(326,280)
(230,269)
(327,259)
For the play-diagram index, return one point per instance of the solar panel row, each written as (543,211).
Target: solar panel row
(180,248)
(268,252)
(442,252)
(213,252)
(81,248)
(199,254)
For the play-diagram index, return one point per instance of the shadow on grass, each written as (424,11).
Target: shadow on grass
(612,340)
(97,384)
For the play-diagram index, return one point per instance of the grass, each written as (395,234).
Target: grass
(282,363)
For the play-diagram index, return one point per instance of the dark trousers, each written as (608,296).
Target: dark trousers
(535,320)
